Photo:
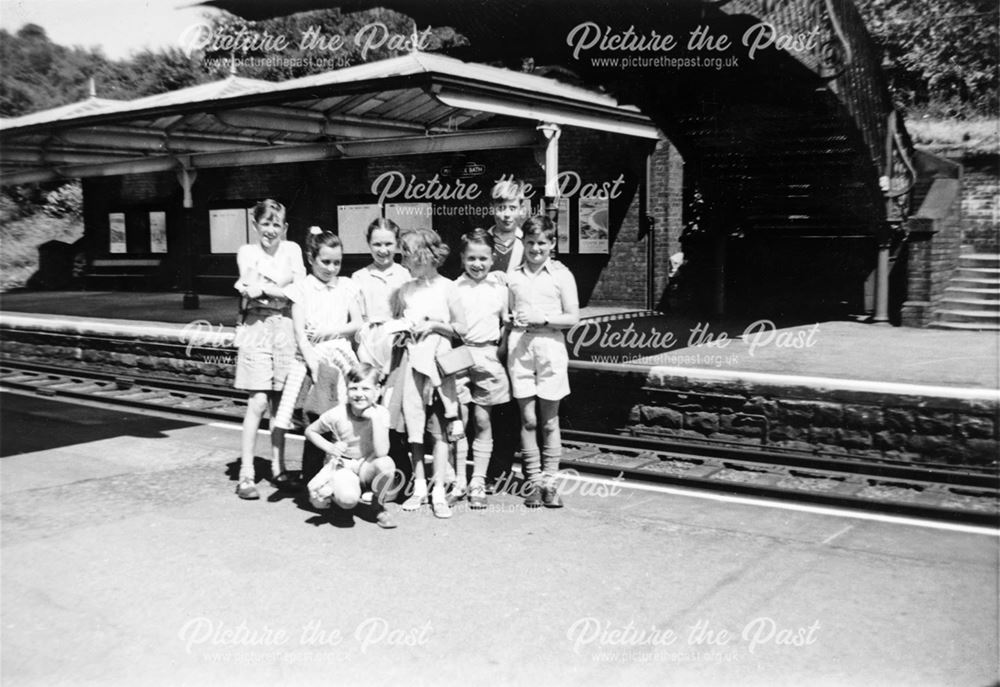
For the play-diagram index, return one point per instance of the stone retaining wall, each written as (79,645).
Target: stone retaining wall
(862,423)
(958,428)
(191,355)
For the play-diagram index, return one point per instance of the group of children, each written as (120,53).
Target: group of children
(401,347)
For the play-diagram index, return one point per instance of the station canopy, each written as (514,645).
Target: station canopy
(412,104)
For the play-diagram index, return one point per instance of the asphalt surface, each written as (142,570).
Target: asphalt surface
(128,560)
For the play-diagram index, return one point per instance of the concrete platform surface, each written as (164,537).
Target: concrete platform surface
(128,560)
(156,307)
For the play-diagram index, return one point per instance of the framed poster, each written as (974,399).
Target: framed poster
(352,225)
(227,229)
(410,216)
(593,224)
(116,232)
(157,232)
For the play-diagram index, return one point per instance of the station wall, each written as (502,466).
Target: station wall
(631,274)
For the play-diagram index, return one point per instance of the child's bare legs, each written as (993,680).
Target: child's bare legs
(548,420)
(380,474)
(439,478)
(541,484)
(441,453)
(257,403)
(482,449)
(419,495)
(530,456)
(277,437)
(461,457)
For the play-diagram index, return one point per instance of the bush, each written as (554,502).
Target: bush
(66,201)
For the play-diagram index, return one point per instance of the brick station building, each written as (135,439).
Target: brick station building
(167,179)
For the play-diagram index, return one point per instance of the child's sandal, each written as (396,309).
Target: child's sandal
(285,482)
(477,498)
(246,490)
(414,502)
(440,507)
(456,495)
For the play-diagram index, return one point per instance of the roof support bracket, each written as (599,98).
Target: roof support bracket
(186,178)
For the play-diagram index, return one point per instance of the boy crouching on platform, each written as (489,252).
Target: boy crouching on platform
(543,302)
(358,457)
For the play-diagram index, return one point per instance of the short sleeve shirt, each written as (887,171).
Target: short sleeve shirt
(353,431)
(543,292)
(281,269)
(422,300)
(376,288)
(325,303)
(476,307)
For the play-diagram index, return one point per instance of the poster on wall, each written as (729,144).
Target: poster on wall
(227,229)
(352,225)
(157,232)
(410,216)
(593,224)
(116,226)
(562,228)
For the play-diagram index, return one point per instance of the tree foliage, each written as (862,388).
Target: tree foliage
(39,74)
(938,54)
(316,41)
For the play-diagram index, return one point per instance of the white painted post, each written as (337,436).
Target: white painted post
(551,132)
(186,177)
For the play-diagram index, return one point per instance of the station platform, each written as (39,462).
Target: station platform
(834,349)
(853,390)
(124,545)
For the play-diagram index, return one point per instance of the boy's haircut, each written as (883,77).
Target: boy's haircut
(382,223)
(425,246)
(363,372)
(539,225)
(478,237)
(507,189)
(268,208)
(318,238)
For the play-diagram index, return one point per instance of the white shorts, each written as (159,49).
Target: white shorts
(488,383)
(538,364)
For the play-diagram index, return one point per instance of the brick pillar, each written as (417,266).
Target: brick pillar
(935,243)
(666,203)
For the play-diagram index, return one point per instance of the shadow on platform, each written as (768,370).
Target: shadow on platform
(29,423)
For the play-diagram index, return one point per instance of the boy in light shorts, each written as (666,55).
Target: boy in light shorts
(544,302)
(478,305)
(358,455)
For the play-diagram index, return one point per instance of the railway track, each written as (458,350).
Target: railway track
(933,491)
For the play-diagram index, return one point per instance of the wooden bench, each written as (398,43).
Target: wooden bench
(122,269)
